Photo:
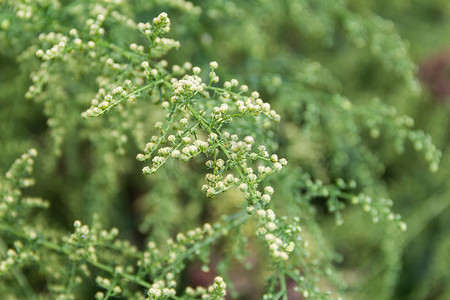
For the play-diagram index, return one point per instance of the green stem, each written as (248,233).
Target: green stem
(283,285)
(420,218)
(68,253)
(71,279)
(110,290)
(21,279)
(238,218)
(207,127)
(135,92)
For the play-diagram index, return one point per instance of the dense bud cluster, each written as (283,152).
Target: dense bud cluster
(187,86)
(115,97)
(238,154)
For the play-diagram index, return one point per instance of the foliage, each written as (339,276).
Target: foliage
(297,195)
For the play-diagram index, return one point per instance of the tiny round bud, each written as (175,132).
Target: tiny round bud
(250,210)
(213,65)
(73,32)
(403,226)
(271,226)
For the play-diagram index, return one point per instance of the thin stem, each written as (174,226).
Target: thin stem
(238,218)
(283,285)
(422,216)
(21,279)
(110,290)
(207,127)
(68,253)
(71,279)
(135,92)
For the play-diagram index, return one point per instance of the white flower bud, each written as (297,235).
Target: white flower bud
(271,226)
(40,53)
(213,65)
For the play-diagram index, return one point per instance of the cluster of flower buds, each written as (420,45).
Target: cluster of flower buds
(115,97)
(216,291)
(160,290)
(161,23)
(254,105)
(16,258)
(279,236)
(188,86)
(107,284)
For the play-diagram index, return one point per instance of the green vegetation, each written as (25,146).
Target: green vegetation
(224,149)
